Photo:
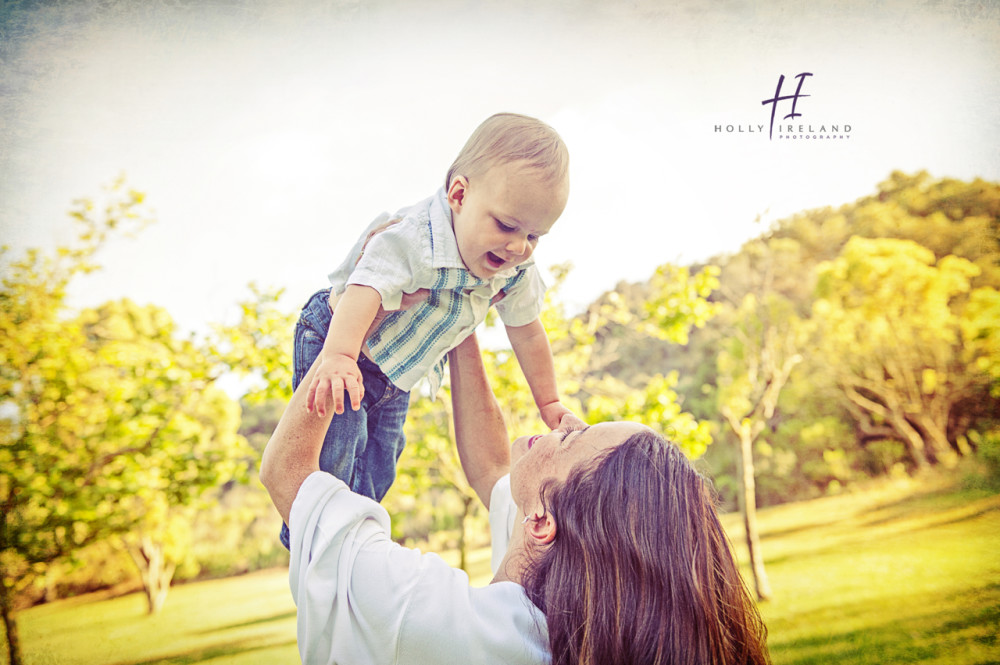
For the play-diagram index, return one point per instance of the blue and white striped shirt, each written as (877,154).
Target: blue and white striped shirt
(420,251)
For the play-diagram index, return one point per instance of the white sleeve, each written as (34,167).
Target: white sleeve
(503,513)
(523,303)
(337,621)
(338,278)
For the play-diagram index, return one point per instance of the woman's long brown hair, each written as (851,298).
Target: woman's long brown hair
(641,570)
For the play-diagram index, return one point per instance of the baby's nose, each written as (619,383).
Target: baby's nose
(518,246)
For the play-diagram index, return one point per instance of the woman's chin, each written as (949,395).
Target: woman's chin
(518,448)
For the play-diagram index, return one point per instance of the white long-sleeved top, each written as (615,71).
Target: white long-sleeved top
(362,598)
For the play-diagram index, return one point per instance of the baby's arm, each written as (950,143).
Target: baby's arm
(531,346)
(337,364)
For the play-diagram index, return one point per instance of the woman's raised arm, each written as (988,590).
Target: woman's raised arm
(480,432)
(292,453)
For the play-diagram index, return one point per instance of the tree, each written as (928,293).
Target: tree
(981,334)
(104,414)
(657,405)
(431,488)
(754,364)
(755,360)
(892,317)
(259,346)
(166,432)
(673,303)
(54,497)
(949,217)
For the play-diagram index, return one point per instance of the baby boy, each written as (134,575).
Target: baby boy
(467,247)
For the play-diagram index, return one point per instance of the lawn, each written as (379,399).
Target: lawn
(904,572)
(901,573)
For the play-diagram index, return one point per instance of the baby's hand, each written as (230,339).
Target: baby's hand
(557,416)
(335,374)
(570,422)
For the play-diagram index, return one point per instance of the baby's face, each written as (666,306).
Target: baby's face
(500,215)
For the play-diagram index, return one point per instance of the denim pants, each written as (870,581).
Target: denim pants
(361,447)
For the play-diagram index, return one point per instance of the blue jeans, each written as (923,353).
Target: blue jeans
(361,447)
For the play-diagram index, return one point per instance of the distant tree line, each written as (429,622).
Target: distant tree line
(881,319)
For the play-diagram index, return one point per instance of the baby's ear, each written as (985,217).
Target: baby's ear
(457,190)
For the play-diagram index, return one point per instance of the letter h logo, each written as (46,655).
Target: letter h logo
(778,98)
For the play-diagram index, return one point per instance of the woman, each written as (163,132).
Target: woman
(616,554)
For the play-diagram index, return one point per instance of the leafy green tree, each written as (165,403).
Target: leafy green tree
(256,350)
(655,404)
(259,346)
(55,495)
(947,216)
(981,332)
(662,315)
(166,432)
(763,343)
(674,303)
(892,318)
(110,419)
(431,490)
(754,364)
(678,301)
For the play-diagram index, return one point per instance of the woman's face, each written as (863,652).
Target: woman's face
(537,459)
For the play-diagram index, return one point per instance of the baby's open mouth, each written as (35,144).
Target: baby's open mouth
(494,260)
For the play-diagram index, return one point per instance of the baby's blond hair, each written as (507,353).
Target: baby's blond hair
(509,137)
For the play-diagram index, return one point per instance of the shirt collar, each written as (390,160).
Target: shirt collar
(444,252)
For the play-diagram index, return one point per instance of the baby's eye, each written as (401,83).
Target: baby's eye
(532,238)
(504,227)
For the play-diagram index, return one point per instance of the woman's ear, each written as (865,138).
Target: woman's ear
(457,190)
(542,530)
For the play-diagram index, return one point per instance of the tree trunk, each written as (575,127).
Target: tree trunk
(892,412)
(937,439)
(911,437)
(156,572)
(748,505)
(10,624)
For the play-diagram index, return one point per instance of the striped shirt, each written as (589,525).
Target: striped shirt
(420,251)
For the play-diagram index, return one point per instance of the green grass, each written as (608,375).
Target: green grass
(244,620)
(904,572)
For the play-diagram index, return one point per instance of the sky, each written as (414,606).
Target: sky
(267,135)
